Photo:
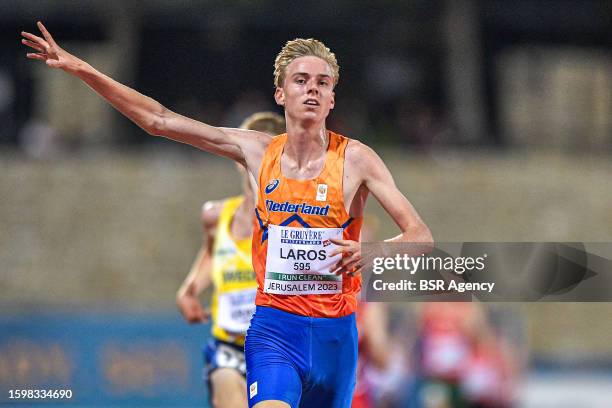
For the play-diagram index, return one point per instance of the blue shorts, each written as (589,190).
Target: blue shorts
(303,361)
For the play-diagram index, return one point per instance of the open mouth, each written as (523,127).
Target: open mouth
(311,102)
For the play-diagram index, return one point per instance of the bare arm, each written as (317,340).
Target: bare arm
(199,277)
(378,180)
(369,171)
(147,113)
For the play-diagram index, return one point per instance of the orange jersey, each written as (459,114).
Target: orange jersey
(294,220)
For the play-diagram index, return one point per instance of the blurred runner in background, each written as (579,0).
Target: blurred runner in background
(462,362)
(225,261)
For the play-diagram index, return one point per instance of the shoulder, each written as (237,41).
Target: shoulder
(253,145)
(355,148)
(364,164)
(274,141)
(361,155)
(261,139)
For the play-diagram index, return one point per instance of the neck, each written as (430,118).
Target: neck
(305,143)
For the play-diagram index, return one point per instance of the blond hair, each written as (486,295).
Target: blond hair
(302,48)
(268,122)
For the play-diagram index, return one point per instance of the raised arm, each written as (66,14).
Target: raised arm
(200,274)
(241,145)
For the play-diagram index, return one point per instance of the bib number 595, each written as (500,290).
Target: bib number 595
(301,266)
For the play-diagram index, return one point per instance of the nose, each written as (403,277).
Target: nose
(312,87)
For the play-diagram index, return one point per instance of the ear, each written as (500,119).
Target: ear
(279,96)
(333,101)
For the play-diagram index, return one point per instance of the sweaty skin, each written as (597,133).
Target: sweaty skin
(307,95)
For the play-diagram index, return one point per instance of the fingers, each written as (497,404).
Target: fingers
(346,250)
(341,250)
(46,34)
(197,319)
(341,242)
(32,44)
(348,260)
(36,39)
(336,251)
(357,271)
(32,55)
(197,315)
(344,246)
(347,264)
(191,309)
(205,316)
(350,270)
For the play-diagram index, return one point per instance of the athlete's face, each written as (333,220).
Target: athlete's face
(308,89)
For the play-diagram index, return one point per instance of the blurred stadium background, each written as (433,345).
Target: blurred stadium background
(495,118)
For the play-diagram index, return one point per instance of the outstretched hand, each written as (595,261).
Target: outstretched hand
(47,50)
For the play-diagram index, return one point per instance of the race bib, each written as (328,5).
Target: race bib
(235,310)
(298,263)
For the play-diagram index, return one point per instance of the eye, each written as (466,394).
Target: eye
(300,81)
(323,83)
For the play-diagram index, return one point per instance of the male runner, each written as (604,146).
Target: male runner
(225,261)
(312,185)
